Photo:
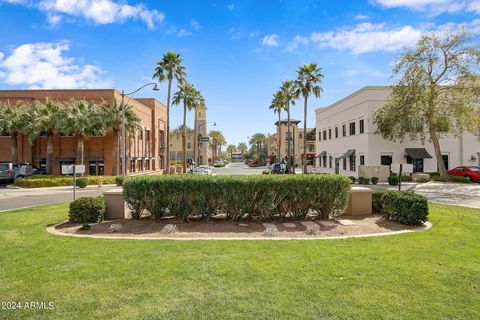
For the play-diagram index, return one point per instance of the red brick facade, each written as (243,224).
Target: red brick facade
(145,150)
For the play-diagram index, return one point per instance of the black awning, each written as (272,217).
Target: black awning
(65,159)
(95,159)
(322,154)
(347,154)
(417,153)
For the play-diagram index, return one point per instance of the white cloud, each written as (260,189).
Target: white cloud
(96,11)
(195,25)
(271,40)
(361,17)
(239,33)
(296,42)
(44,65)
(433,6)
(368,37)
(231,7)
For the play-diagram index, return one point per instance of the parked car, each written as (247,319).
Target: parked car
(7,174)
(469,172)
(202,171)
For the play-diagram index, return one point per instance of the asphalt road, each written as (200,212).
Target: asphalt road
(237,169)
(23,198)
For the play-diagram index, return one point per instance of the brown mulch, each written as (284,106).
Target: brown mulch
(229,229)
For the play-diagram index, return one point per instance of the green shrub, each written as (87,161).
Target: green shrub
(42,181)
(393,180)
(363,180)
(263,196)
(458,179)
(85,227)
(405,207)
(119,180)
(87,210)
(423,180)
(437,178)
(374,180)
(82,182)
(353,179)
(406,178)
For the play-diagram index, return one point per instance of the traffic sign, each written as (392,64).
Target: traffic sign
(204,139)
(72,168)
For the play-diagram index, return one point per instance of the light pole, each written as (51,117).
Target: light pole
(197,156)
(124,138)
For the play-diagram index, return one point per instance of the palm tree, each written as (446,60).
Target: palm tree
(168,68)
(83,119)
(277,105)
(111,114)
(231,148)
(179,131)
(50,119)
(307,83)
(242,147)
(288,95)
(186,95)
(218,140)
(10,123)
(258,140)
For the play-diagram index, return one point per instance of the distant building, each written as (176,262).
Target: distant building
(145,149)
(346,139)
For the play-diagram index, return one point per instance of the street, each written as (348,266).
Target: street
(237,169)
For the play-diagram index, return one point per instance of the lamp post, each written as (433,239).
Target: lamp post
(124,138)
(197,156)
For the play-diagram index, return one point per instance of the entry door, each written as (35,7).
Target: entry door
(337,166)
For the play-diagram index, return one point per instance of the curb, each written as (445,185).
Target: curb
(52,229)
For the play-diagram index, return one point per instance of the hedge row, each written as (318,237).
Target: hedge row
(405,207)
(264,197)
(40,181)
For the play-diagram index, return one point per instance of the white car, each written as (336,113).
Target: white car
(202,170)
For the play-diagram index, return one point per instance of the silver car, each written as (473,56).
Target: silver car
(202,171)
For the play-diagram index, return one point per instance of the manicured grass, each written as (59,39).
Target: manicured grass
(433,274)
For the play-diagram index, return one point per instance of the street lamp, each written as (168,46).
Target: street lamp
(197,156)
(124,138)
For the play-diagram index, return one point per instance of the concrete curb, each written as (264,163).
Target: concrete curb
(52,229)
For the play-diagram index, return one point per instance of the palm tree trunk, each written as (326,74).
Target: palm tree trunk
(14,147)
(115,154)
(289,139)
(184,140)
(305,137)
(49,153)
(438,154)
(168,125)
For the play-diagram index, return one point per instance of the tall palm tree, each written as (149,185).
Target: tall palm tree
(10,123)
(168,68)
(242,147)
(83,119)
(308,79)
(277,105)
(258,140)
(111,114)
(218,140)
(50,119)
(179,131)
(186,95)
(288,95)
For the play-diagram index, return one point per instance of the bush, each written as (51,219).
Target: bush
(119,180)
(405,207)
(374,180)
(423,180)
(438,178)
(353,179)
(87,210)
(393,180)
(263,196)
(459,179)
(363,180)
(82,182)
(42,181)
(406,178)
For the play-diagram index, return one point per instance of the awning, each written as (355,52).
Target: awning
(65,159)
(347,154)
(95,159)
(417,153)
(322,154)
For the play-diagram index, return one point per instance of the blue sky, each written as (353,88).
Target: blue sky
(236,52)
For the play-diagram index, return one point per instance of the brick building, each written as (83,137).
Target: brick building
(146,149)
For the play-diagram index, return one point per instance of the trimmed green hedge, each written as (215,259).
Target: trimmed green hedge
(87,210)
(41,181)
(405,207)
(458,179)
(263,196)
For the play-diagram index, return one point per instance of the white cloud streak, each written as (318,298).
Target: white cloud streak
(271,40)
(434,7)
(44,65)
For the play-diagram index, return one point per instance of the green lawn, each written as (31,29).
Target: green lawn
(433,274)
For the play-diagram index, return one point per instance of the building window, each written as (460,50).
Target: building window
(324,134)
(329,133)
(319,136)
(92,168)
(189,145)
(147,135)
(352,163)
(352,128)
(336,132)
(385,160)
(344,130)
(140,137)
(445,160)
(417,164)
(330,160)
(300,136)
(101,168)
(362,160)
(324,161)
(147,165)
(362,126)
(344,163)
